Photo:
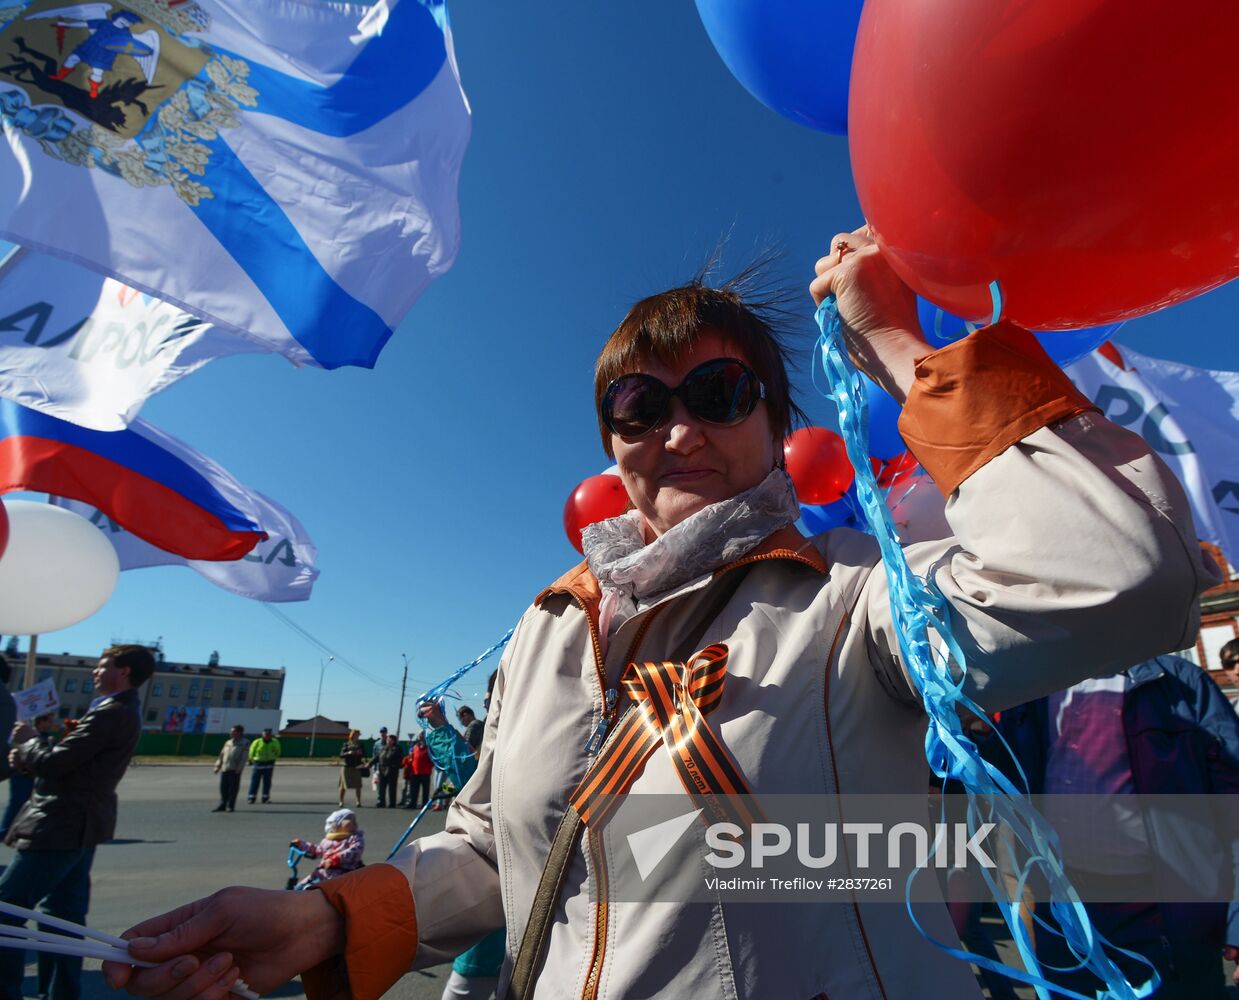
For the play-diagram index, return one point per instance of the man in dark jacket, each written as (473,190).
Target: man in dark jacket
(72,810)
(1160,728)
(8,715)
(387,761)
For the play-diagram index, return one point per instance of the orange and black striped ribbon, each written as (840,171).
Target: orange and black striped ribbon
(671,702)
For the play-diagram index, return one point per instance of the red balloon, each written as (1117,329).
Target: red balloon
(1081,153)
(4,529)
(598,498)
(818,463)
(893,470)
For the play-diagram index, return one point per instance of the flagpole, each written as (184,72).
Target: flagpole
(30,661)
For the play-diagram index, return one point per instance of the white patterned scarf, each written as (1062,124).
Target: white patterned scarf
(631,572)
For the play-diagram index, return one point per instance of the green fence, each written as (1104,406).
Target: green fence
(208,745)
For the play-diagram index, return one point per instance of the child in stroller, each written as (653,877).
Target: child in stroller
(338,852)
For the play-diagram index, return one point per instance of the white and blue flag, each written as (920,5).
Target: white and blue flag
(1189,416)
(284,170)
(84,347)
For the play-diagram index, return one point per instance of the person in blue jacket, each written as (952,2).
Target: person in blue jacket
(1161,727)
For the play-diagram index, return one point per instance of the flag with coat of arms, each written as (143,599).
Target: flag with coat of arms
(285,171)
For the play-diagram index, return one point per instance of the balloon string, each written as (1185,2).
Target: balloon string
(444,689)
(437,692)
(917,607)
(913,482)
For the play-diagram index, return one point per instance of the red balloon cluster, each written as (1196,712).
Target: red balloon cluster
(598,498)
(818,463)
(1083,154)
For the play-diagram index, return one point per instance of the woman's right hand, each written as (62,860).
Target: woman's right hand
(877,310)
(265,937)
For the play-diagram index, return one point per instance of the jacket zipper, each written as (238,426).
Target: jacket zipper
(830,743)
(595,743)
(601,915)
(601,908)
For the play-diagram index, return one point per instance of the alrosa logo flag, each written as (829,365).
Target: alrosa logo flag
(1189,416)
(86,348)
(284,169)
(278,569)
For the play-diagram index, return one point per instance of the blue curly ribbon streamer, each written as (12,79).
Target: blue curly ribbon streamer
(918,606)
(437,694)
(443,688)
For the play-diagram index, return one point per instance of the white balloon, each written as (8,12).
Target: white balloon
(58,569)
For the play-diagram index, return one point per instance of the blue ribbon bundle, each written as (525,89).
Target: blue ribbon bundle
(918,607)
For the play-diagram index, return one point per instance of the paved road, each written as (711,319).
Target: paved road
(170,848)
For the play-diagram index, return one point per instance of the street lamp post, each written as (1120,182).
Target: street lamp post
(403,681)
(322,667)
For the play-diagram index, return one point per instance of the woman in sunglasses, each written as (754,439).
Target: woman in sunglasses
(706,650)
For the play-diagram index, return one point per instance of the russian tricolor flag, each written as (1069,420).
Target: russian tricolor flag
(144,480)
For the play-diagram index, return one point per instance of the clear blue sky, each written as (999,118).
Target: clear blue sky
(611,150)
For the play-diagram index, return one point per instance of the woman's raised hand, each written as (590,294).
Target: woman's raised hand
(263,936)
(877,309)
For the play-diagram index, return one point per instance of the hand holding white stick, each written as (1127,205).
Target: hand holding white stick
(91,943)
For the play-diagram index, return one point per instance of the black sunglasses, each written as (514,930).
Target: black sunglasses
(721,391)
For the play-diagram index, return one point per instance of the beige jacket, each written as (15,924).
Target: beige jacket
(233,755)
(1073,555)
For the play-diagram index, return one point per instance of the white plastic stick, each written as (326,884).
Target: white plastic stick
(35,934)
(32,939)
(71,946)
(13,910)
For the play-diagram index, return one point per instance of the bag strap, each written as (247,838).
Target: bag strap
(537,929)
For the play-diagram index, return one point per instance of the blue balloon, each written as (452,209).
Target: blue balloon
(1066,346)
(884,439)
(941,327)
(1063,346)
(795,56)
(822,517)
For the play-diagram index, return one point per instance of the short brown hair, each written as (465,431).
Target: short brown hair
(139,660)
(664,327)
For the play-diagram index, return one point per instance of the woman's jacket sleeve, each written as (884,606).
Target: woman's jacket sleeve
(1073,552)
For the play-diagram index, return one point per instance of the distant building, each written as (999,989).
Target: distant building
(176,691)
(324,727)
